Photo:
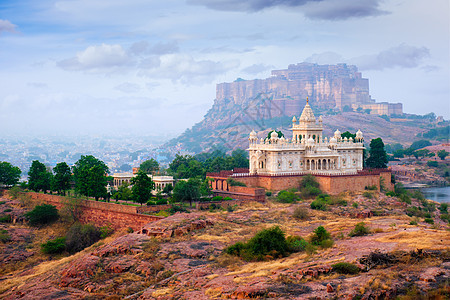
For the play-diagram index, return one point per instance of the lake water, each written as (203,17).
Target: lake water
(439,194)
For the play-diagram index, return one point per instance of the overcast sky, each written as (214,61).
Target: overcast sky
(140,66)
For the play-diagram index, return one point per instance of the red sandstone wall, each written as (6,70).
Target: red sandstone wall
(328,184)
(101,213)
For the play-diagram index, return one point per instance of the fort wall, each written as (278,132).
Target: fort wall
(99,213)
(328,184)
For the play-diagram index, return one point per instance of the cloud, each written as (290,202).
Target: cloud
(143,47)
(7,26)
(325,58)
(99,58)
(312,9)
(128,87)
(257,68)
(38,85)
(335,10)
(247,6)
(187,70)
(402,56)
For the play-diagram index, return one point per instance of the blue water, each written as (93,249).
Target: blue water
(439,194)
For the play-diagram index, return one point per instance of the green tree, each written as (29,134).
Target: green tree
(377,155)
(348,135)
(9,174)
(38,177)
(168,189)
(90,176)
(62,178)
(187,190)
(442,154)
(420,144)
(149,166)
(123,192)
(240,158)
(142,187)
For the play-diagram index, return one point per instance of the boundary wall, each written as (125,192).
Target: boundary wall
(331,184)
(100,213)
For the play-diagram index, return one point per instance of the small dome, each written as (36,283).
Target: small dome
(320,118)
(310,141)
(294,120)
(337,133)
(333,140)
(274,135)
(359,134)
(253,134)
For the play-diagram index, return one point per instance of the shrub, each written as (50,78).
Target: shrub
(8,210)
(355,204)
(327,243)
(432,163)
(309,181)
(161,202)
(227,199)
(310,191)
(2,202)
(81,236)
(5,219)
(310,249)
(232,182)
(301,213)
(414,211)
(443,208)
(371,188)
(105,231)
(266,244)
(368,195)
(429,220)
(318,204)
(405,198)
(345,268)
(4,236)
(413,222)
(177,208)
(151,202)
(391,194)
(217,198)
(359,230)
(286,196)
(235,249)
(320,234)
(14,192)
(445,217)
(417,194)
(268,194)
(55,246)
(296,243)
(42,214)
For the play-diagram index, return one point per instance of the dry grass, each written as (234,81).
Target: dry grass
(422,239)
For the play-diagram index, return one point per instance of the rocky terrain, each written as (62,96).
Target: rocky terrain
(180,257)
(230,128)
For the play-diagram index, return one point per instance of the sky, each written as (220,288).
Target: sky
(141,67)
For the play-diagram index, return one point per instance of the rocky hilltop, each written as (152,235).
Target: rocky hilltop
(334,91)
(327,86)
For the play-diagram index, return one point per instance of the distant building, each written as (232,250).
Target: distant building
(160,181)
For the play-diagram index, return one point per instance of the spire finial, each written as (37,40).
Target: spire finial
(307,100)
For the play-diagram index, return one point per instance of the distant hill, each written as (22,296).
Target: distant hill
(337,92)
